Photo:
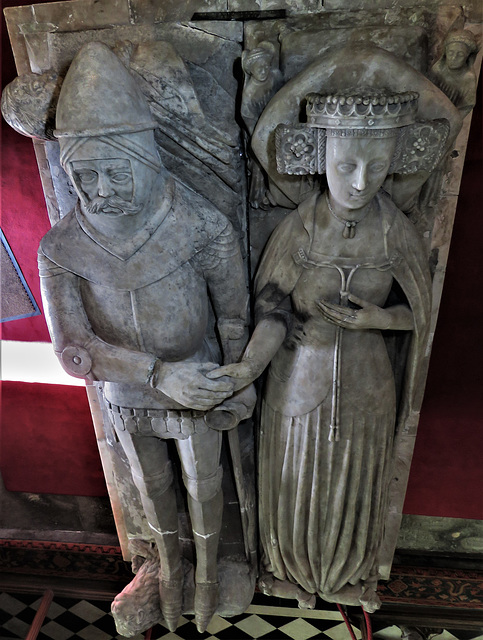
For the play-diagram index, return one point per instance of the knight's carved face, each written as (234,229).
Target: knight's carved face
(109,181)
(456,55)
(356,169)
(105,178)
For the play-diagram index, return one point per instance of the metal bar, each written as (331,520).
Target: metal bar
(38,621)
(239,15)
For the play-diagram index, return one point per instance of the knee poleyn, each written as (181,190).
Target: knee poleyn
(205,488)
(155,483)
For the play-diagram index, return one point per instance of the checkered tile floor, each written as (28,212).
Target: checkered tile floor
(70,619)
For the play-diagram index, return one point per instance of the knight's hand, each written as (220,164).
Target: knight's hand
(186,383)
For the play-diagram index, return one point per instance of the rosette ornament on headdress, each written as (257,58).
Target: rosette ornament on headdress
(100,99)
(362,113)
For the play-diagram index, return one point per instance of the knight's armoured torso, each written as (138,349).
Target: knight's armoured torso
(167,317)
(153,299)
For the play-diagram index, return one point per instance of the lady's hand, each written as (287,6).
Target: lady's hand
(369,316)
(241,373)
(188,384)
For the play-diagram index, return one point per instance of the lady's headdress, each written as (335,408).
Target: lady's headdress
(362,113)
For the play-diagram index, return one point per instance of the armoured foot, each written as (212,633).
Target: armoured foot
(171,596)
(206,603)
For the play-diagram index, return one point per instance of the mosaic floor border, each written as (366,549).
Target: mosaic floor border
(428,586)
(455,588)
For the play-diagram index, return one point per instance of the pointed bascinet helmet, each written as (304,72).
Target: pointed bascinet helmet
(100,97)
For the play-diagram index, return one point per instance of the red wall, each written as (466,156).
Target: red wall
(47,442)
(447,472)
(23,213)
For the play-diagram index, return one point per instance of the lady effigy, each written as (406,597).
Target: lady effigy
(325,289)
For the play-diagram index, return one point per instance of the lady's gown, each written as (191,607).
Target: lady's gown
(323,502)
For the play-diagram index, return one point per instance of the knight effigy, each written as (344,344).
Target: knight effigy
(133,278)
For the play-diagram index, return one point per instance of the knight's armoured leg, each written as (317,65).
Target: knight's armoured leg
(202,476)
(152,474)
(206,520)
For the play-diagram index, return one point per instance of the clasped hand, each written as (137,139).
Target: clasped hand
(369,316)
(241,373)
(188,384)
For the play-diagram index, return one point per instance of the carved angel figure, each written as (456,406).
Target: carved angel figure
(343,284)
(262,79)
(454,72)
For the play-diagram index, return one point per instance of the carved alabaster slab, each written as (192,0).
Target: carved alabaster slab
(225,88)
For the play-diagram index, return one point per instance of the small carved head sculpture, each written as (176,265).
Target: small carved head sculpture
(459,47)
(105,132)
(259,61)
(381,121)
(29,103)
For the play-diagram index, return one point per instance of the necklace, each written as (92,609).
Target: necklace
(349,225)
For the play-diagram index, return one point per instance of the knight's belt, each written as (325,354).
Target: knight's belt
(162,423)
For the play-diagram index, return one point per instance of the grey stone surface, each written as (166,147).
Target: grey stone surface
(442,536)
(290,6)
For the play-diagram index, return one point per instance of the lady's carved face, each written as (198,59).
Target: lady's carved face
(356,169)
(456,54)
